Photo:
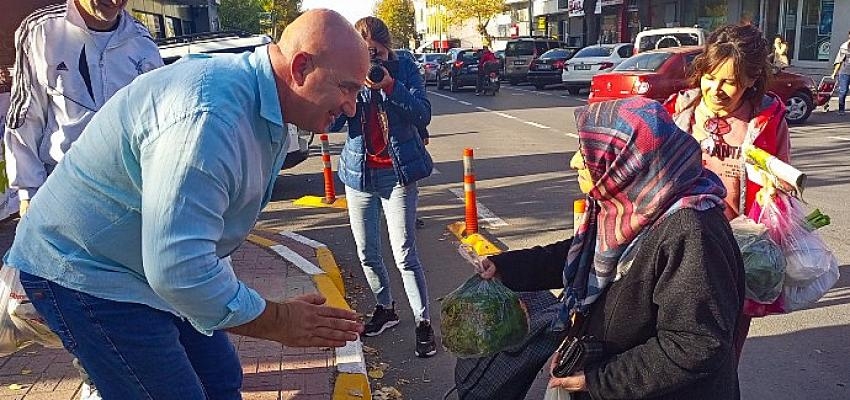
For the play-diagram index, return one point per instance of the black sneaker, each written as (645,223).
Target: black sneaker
(425,345)
(382,319)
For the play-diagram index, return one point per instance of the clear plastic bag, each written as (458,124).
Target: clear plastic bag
(557,393)
(805,252)
(799,297)
(20,324)
(764,263)
(482,317)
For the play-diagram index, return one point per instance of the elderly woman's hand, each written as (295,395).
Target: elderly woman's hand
(572,383)
(486,269)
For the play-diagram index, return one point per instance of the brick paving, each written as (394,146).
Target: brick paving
(271,371)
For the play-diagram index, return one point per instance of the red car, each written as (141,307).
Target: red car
(660,73)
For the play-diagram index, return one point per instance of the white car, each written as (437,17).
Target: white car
(654,39)
(591,60)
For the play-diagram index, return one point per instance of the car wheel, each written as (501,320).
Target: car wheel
(540,87)
(573,90)
(799,106)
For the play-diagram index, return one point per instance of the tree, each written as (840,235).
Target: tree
(280,13)
(400,18)
(482,11)
(243,15)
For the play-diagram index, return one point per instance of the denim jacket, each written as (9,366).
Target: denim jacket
(409,113)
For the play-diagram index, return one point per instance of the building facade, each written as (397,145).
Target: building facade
(167,18)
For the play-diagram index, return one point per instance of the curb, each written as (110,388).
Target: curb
(351,380)
(476,241)
(316,201)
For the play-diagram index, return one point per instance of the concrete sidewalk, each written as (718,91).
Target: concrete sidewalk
(271,371)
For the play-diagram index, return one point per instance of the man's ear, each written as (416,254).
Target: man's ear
(302,65)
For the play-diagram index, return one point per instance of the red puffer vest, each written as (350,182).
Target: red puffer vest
(769,123)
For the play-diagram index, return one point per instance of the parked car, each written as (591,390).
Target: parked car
(589,61)
(173,48)
(658,74)
(547,69)
(460,69)
(429,63)
(661,38)
(519,53)
(500,54)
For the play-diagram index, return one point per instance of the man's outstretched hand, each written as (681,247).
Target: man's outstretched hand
(303,321)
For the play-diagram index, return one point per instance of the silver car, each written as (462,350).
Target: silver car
(429,64)
(589,61)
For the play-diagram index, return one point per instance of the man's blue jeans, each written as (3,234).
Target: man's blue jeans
(134,352)
(843,84)
(399,205)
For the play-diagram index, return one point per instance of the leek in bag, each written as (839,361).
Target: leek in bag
(482,317)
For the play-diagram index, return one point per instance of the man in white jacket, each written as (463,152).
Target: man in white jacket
(70,58)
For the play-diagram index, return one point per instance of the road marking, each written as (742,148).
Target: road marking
(483,109)
(840,138)
(295,258)
(302,239)
(508,116)
(435,171)
(443,96)
(484,214)
(572,135)
(536,125)
(466,103)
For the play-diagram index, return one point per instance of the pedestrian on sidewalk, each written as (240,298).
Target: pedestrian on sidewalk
(383,158)
(69,60)
(842,71)
(729,108)
(653,280)
(130,265)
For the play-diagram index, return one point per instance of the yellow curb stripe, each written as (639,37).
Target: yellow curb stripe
(261,241)
(351,387)
(316,201)
(328,264)
(327,288)
(476,241)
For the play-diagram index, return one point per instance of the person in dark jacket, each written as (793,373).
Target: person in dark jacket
(653,268)
(383,158)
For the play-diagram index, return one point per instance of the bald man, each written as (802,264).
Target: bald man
(130,265)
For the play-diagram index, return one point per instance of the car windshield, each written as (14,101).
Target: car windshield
(595,51)
(644,62)
(468,56)
(557,53)
(663,41)
(519,49)
(433,57)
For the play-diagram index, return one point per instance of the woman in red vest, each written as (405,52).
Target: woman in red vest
(727,108)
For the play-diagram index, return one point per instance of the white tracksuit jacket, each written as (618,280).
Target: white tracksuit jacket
(60,80)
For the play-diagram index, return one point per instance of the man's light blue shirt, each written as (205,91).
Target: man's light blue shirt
(165,182)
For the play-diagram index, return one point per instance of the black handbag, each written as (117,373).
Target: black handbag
(576,350)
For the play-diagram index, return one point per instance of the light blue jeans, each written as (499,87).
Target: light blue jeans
(843,84)
(383,192)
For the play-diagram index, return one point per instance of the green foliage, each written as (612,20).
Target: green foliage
(243,15)
(280,13)
(481,11)
(399,15)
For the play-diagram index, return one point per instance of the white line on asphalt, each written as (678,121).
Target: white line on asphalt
(572,135)
(484,214)
(301,239)
(443,96)
(840,138)
(536,125)
(501,114)
(295,258)
(466,103)
(483,109)
(435,171)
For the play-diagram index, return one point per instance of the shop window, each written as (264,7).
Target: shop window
(815,30)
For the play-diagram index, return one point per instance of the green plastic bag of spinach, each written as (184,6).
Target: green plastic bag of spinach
(482,317)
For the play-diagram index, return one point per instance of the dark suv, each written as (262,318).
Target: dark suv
(459,69)
(520,51)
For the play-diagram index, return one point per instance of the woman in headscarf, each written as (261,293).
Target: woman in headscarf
(653,270)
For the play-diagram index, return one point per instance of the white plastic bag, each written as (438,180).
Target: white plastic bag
(20,324)
(557,393)
(799,297)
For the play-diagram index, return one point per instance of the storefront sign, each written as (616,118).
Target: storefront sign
(604,3)
(575,8)
(541,23)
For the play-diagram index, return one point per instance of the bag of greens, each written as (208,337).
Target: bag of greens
(482,317)
(764,264)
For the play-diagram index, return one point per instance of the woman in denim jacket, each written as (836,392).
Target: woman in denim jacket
(383,157)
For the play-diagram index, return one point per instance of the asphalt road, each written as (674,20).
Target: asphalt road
(523,140)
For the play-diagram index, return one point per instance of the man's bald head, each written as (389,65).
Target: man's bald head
(318,32)
(321,64)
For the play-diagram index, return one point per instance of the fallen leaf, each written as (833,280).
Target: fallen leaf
(403,381)
(15,386)
(370,350)
(26,371)
(376,373)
